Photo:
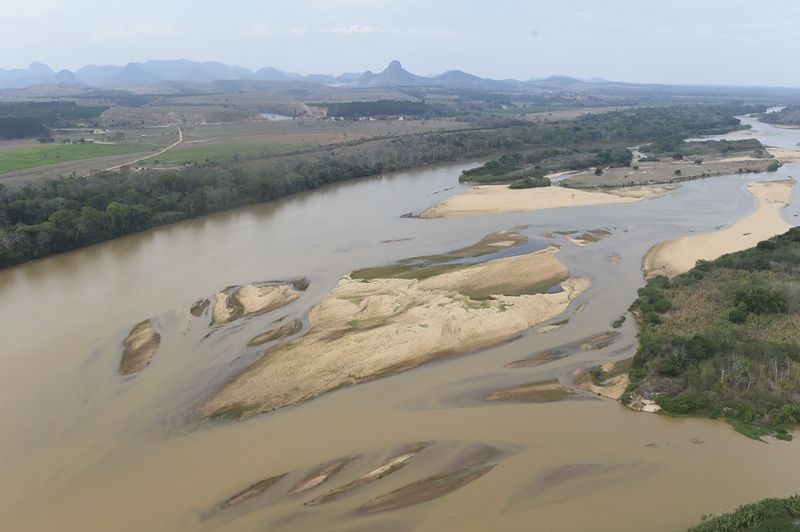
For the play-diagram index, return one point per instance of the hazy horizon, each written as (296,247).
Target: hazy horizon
(719,42)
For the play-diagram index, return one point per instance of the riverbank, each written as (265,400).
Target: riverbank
(500,199)
(664,171)
(680,255)
(785,155)
(367,329)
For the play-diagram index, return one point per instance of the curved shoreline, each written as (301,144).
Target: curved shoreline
(364,330)
(673,257)
(500,199)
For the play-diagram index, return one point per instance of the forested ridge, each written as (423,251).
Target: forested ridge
(59,215)
(34,119)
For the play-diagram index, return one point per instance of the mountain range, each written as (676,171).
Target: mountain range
(183,70)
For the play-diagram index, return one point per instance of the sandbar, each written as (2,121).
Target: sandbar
(367,329)
(680,255)
(500,199)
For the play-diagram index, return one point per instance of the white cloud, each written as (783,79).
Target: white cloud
(356,29)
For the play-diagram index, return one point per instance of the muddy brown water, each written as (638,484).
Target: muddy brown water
(83,448)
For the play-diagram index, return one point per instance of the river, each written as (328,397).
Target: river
(83,448)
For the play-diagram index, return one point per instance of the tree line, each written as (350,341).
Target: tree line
(58,215)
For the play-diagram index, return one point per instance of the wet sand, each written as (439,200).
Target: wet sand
(139,348)
(677,256)
(240,301)
(538,392)
(499,199)
(365,330)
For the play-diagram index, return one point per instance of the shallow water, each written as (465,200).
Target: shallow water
(85,449)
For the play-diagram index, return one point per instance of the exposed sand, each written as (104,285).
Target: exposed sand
(239,301)
(680,255)
(250,492)
(499,199)
(785,155)
(538,392)
(587,238)
(387,468)
(365,330)
(139,348)
(480,461)
(322,473)
(287,329)
(613,386)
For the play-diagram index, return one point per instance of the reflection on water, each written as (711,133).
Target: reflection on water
(85,449)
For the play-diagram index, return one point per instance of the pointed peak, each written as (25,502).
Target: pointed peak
(394,65)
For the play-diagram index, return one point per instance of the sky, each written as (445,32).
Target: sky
(732,42)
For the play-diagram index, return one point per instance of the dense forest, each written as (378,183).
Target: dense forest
(723,340)
(788,116)
(58,215)
(34,119)
(513,167)
(768,515)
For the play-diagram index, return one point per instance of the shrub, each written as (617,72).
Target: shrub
(662,305)
(737,315)
(760,300)
(679,405)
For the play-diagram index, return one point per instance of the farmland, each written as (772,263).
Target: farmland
(33,156)
(225,151)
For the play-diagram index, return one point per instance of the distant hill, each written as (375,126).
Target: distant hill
(151,73)
(182,75)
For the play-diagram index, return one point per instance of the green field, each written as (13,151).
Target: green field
(21,158)
(244,150)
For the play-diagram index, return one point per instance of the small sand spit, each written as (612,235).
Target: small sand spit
(322,473)
(785,155)
(612,386)
(139,348)
(677,256)
(367,330)
(239,301)
(538,392)
(287,329)
(392,465)
(499,199)
(250,492)
(480,461)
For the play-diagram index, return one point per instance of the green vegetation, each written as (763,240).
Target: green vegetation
(30,157)
(788,116)
(723,340)
(33,119)
(531,182)
(527,171)
(768,515)
(227,151)
(385,108)
(54,216)
(590,144)
(423,267)
(678,149)
(21,127)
